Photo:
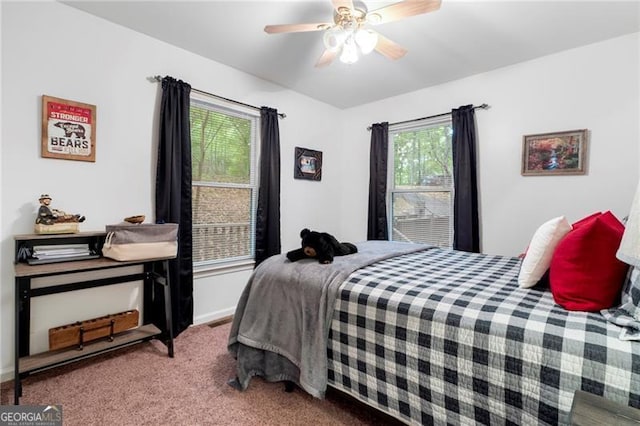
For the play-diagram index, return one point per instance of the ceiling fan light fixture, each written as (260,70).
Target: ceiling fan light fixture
(349,53)
(366,40)
(333,38)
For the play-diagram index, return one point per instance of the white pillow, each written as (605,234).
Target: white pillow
(538,256)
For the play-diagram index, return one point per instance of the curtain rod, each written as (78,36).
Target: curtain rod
(483,106)
(158,78)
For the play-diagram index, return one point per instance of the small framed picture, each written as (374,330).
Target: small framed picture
(558,153)
(68,129)
(307,164)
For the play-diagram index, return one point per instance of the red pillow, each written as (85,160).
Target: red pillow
(585,274)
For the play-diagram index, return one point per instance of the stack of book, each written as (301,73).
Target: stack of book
(60,253)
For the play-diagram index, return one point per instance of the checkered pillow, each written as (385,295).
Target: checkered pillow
(627,315)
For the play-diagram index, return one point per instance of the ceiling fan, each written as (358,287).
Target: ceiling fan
(349,33)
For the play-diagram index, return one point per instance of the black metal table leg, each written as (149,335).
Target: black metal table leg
(167,306)
(22,327)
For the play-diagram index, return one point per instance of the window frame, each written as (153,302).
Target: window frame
(238,262)
(391,189)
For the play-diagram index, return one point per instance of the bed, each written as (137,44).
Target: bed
(428,336)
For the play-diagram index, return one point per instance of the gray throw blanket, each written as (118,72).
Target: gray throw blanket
(627,315)
(281,324)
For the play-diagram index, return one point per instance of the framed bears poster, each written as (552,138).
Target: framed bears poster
(68,129)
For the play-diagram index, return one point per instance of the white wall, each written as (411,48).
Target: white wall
(594,87)
(49,48)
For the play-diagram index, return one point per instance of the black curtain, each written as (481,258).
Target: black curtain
(173,195)
(466,230)
(377,221)
(268,214)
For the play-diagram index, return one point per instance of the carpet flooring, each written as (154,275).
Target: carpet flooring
(141,385)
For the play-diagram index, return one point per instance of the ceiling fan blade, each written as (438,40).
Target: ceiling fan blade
(295,28)
(390,49)
(401,10)
(337,4)
(326,58)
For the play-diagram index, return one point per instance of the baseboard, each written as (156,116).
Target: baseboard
(214,316)
(6,375)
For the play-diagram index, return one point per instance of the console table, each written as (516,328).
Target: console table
(155,273)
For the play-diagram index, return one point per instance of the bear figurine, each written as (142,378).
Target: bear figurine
(321,246)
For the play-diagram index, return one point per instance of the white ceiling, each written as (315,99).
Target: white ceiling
(461,39)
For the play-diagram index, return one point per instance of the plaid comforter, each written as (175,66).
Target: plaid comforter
(442,337)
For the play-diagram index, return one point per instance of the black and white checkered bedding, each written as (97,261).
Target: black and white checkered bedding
(445,337)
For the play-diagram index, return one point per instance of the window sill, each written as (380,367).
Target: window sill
(226,268)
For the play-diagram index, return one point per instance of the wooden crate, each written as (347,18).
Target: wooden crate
(81,332)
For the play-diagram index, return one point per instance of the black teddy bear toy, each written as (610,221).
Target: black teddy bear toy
(321,246)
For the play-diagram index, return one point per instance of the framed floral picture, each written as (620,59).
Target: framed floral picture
(68,129)
(558,153)
(308,164)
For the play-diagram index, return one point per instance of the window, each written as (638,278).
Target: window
(421,183)
(224,189)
